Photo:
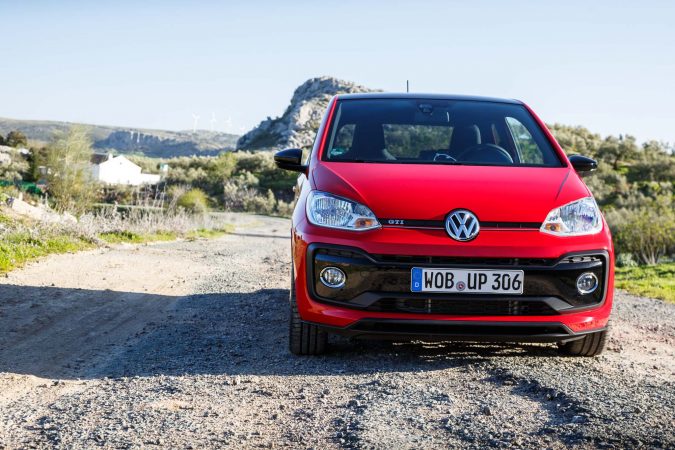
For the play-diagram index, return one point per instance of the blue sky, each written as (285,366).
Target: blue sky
(607,65)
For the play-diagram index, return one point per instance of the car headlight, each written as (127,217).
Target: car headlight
(574,219)
(328,210)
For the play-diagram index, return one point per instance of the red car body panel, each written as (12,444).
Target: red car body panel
(430,191)
(426,191)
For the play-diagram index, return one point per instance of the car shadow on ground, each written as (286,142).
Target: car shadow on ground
(76,333)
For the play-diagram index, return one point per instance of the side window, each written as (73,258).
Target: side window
(529,151)
(343,140)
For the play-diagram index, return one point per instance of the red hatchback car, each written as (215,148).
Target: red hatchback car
(445,217)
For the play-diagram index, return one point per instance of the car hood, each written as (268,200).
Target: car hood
(429,192)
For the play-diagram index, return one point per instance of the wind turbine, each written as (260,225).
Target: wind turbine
(194,124)
(213,121)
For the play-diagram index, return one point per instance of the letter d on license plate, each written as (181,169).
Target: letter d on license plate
(467,281)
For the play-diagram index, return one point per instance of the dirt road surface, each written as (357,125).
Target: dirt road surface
(184,345)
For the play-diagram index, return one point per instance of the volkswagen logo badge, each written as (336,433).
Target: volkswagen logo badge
(462,225)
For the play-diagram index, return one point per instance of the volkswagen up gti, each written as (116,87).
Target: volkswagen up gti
(445,217)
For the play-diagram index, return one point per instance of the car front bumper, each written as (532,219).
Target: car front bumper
(376,300)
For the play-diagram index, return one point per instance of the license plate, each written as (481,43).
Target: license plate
(467,281)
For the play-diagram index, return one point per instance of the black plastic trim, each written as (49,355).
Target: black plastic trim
(456,330)
(440,224)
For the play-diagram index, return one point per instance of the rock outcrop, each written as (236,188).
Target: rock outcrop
(297,127)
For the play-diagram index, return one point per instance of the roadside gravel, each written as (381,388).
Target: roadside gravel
(184,345)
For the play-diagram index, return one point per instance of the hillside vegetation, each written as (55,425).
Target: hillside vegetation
(155,143)
(633,186)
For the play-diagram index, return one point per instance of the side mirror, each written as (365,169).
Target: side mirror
(583,164)
(290,159)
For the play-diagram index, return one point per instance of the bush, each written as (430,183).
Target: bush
(648,232)
(194,200)
(237,196)
(625,260)
(12,166)
(285,209)
(261,204)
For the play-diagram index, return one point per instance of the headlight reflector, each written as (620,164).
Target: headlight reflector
(574,219)
(328,210)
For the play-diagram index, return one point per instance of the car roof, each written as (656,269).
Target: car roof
(411,95)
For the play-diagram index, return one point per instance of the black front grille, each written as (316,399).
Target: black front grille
(463,307)
(454,260)
(339,252)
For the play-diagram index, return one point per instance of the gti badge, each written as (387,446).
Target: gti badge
(462,225)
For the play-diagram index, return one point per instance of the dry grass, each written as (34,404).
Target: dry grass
(23,240)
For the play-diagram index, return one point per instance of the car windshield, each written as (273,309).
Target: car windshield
(430,131)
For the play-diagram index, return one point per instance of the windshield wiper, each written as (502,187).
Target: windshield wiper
(397,161)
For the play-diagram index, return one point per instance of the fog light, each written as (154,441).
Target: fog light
(587,283)
(333,277)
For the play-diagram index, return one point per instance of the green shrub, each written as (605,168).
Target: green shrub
(625,260)
(261,204)
(648,232)
(194,200)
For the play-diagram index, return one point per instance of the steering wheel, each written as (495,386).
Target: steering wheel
(443,157)
(485,153)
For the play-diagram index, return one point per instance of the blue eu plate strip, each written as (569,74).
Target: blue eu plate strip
(416,280)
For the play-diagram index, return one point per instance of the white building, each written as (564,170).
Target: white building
(119,170)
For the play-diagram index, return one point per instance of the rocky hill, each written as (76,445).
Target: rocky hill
(297,126)
(156,143)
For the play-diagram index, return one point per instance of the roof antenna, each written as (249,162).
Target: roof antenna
(407,85)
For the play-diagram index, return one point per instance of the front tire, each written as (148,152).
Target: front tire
(590,345)
(303,338)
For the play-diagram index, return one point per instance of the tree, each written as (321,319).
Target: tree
(618,151)
(16,139)
(647,233)
(69,180)
(36,158)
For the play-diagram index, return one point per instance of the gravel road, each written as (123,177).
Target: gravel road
(184,345)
